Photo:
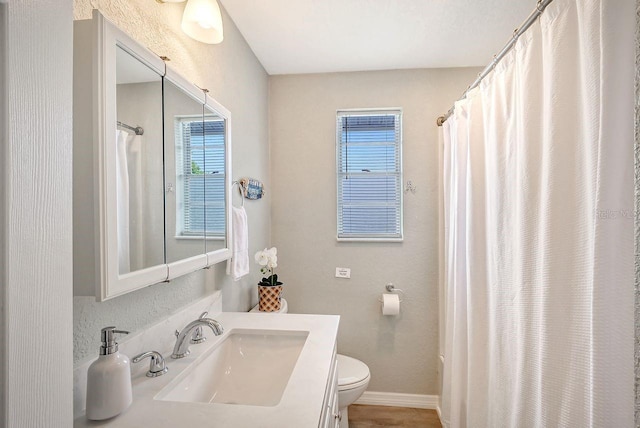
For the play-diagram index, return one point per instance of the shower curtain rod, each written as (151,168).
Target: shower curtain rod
(540,7)
(137,129)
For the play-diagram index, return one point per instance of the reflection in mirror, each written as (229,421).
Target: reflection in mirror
(213,157)
(139,165)
(184,172)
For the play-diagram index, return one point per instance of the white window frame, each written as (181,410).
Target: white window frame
(370,237)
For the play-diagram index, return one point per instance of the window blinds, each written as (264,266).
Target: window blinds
(204,177)
(369,174)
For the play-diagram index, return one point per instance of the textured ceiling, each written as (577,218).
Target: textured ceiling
(314,36)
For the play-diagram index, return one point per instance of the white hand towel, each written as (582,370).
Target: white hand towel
(238,266)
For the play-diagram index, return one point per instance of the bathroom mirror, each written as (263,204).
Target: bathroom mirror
(151,167)
(196,176)
(129,217)
(139,164)
(184,169)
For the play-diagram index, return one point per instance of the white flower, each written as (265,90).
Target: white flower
(262,257)
(268,259)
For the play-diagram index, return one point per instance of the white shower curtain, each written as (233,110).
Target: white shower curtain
(538,195)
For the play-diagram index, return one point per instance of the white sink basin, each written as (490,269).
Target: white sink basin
(250,367)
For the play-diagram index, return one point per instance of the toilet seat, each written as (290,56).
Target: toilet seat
(352,373)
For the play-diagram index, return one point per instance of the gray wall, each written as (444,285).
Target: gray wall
(236,79)
(401,352)
(36,245)
(3,204)
(637,215)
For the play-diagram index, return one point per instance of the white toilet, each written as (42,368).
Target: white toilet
(353,378)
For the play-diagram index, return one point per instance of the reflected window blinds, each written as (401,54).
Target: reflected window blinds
(200,165)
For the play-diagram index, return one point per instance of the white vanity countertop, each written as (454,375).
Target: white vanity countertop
(301,403)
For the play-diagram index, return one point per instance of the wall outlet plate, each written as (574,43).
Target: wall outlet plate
(343,272)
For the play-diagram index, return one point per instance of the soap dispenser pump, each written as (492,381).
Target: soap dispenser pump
(108,379)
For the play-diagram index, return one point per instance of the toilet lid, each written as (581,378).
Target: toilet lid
(351,372)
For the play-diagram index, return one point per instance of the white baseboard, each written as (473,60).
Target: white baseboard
(416,401)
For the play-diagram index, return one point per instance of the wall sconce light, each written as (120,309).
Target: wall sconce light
(201,20)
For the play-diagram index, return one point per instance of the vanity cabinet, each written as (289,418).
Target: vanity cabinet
(330,412)
(152,167)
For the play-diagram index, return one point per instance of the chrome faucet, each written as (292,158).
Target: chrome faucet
(181,349)
(198,337)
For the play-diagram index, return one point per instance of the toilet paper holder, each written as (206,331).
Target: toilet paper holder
(392,289)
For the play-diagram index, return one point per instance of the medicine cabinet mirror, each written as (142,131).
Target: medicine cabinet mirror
(151,167)
(138,164)
(196,170)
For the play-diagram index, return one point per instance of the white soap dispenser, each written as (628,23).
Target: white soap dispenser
(108,379)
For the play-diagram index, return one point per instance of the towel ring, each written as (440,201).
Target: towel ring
(239,191)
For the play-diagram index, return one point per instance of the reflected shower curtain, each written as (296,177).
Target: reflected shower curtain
(122,202)
(538,225)
(129,201)
(135,160)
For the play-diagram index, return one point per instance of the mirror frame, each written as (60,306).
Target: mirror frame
(109,282)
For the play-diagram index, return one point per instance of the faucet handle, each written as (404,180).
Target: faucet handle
(198,337)
(157,366)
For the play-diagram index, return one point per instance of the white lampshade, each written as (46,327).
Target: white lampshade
(202,21)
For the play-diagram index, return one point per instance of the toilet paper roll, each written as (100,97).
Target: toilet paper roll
(390,304)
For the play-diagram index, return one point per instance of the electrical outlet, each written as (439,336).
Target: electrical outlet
(343,273)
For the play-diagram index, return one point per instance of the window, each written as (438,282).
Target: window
(369,174)
(200,170)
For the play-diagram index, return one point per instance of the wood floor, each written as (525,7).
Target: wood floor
(383,416)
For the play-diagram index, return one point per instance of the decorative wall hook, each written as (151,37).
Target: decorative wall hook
(410,187)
